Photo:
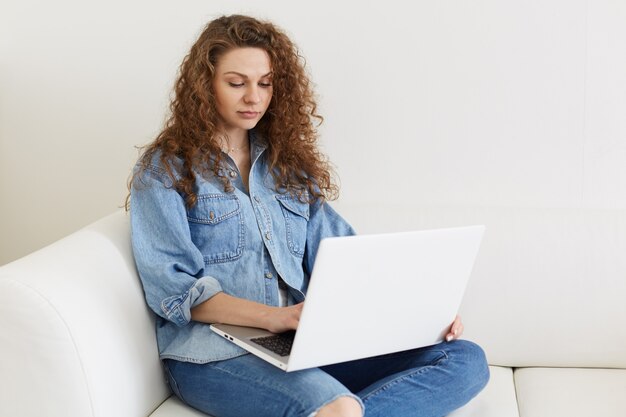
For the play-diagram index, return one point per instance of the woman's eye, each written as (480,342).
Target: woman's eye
(236,84)
(265,85)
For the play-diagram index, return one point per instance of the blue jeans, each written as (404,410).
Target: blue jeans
(426,382)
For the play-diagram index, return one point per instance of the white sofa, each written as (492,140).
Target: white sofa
(547,301)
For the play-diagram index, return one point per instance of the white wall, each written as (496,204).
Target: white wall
(481,103)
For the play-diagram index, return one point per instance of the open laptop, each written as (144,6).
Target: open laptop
(371,295)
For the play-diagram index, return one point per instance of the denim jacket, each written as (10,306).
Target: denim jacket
(237,242)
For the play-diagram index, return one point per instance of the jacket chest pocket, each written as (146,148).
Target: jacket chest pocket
(296,216)
(217,228)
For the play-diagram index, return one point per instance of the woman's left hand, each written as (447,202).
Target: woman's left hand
(456,329)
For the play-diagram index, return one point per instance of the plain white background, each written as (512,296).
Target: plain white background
(449,103)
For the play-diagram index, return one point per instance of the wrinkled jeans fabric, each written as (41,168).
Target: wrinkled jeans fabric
(425,382)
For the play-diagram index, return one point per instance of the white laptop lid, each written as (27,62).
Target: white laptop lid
(377,294)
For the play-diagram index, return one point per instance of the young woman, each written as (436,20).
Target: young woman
(228,206)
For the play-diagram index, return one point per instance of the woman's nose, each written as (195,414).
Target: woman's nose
(252,95)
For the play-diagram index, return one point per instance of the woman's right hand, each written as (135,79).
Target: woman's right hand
(282,319)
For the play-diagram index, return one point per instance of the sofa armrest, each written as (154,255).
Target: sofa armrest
(77,338)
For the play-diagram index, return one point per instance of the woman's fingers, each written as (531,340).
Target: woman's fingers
(456,329)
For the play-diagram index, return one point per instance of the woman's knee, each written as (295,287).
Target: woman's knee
(341,407)
(473,361)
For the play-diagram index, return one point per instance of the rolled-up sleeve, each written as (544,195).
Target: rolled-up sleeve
(170,266)
(177,308)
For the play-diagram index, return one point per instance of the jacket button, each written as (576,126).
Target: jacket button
(257,199)
(267,235)
(268,275)
(233,174)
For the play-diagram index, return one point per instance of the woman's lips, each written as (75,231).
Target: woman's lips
(249,114)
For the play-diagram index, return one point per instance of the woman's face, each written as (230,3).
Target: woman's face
(243,88)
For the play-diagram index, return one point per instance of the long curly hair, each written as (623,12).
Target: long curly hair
(189,141)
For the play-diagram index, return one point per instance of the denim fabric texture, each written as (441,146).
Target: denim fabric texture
(426,382)
(237,242)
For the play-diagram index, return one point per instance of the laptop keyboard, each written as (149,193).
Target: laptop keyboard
(278,343)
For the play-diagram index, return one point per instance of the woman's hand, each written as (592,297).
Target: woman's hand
(456,329)
(282,319)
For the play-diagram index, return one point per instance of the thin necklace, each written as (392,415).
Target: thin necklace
(230,150)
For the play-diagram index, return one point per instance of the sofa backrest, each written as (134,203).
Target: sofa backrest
(548,287)
(76,337)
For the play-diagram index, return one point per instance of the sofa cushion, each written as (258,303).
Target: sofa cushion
(555,392)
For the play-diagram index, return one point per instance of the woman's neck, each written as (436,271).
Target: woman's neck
(237,139)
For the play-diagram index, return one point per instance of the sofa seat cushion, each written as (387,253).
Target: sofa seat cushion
(496,400)
(571,392)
